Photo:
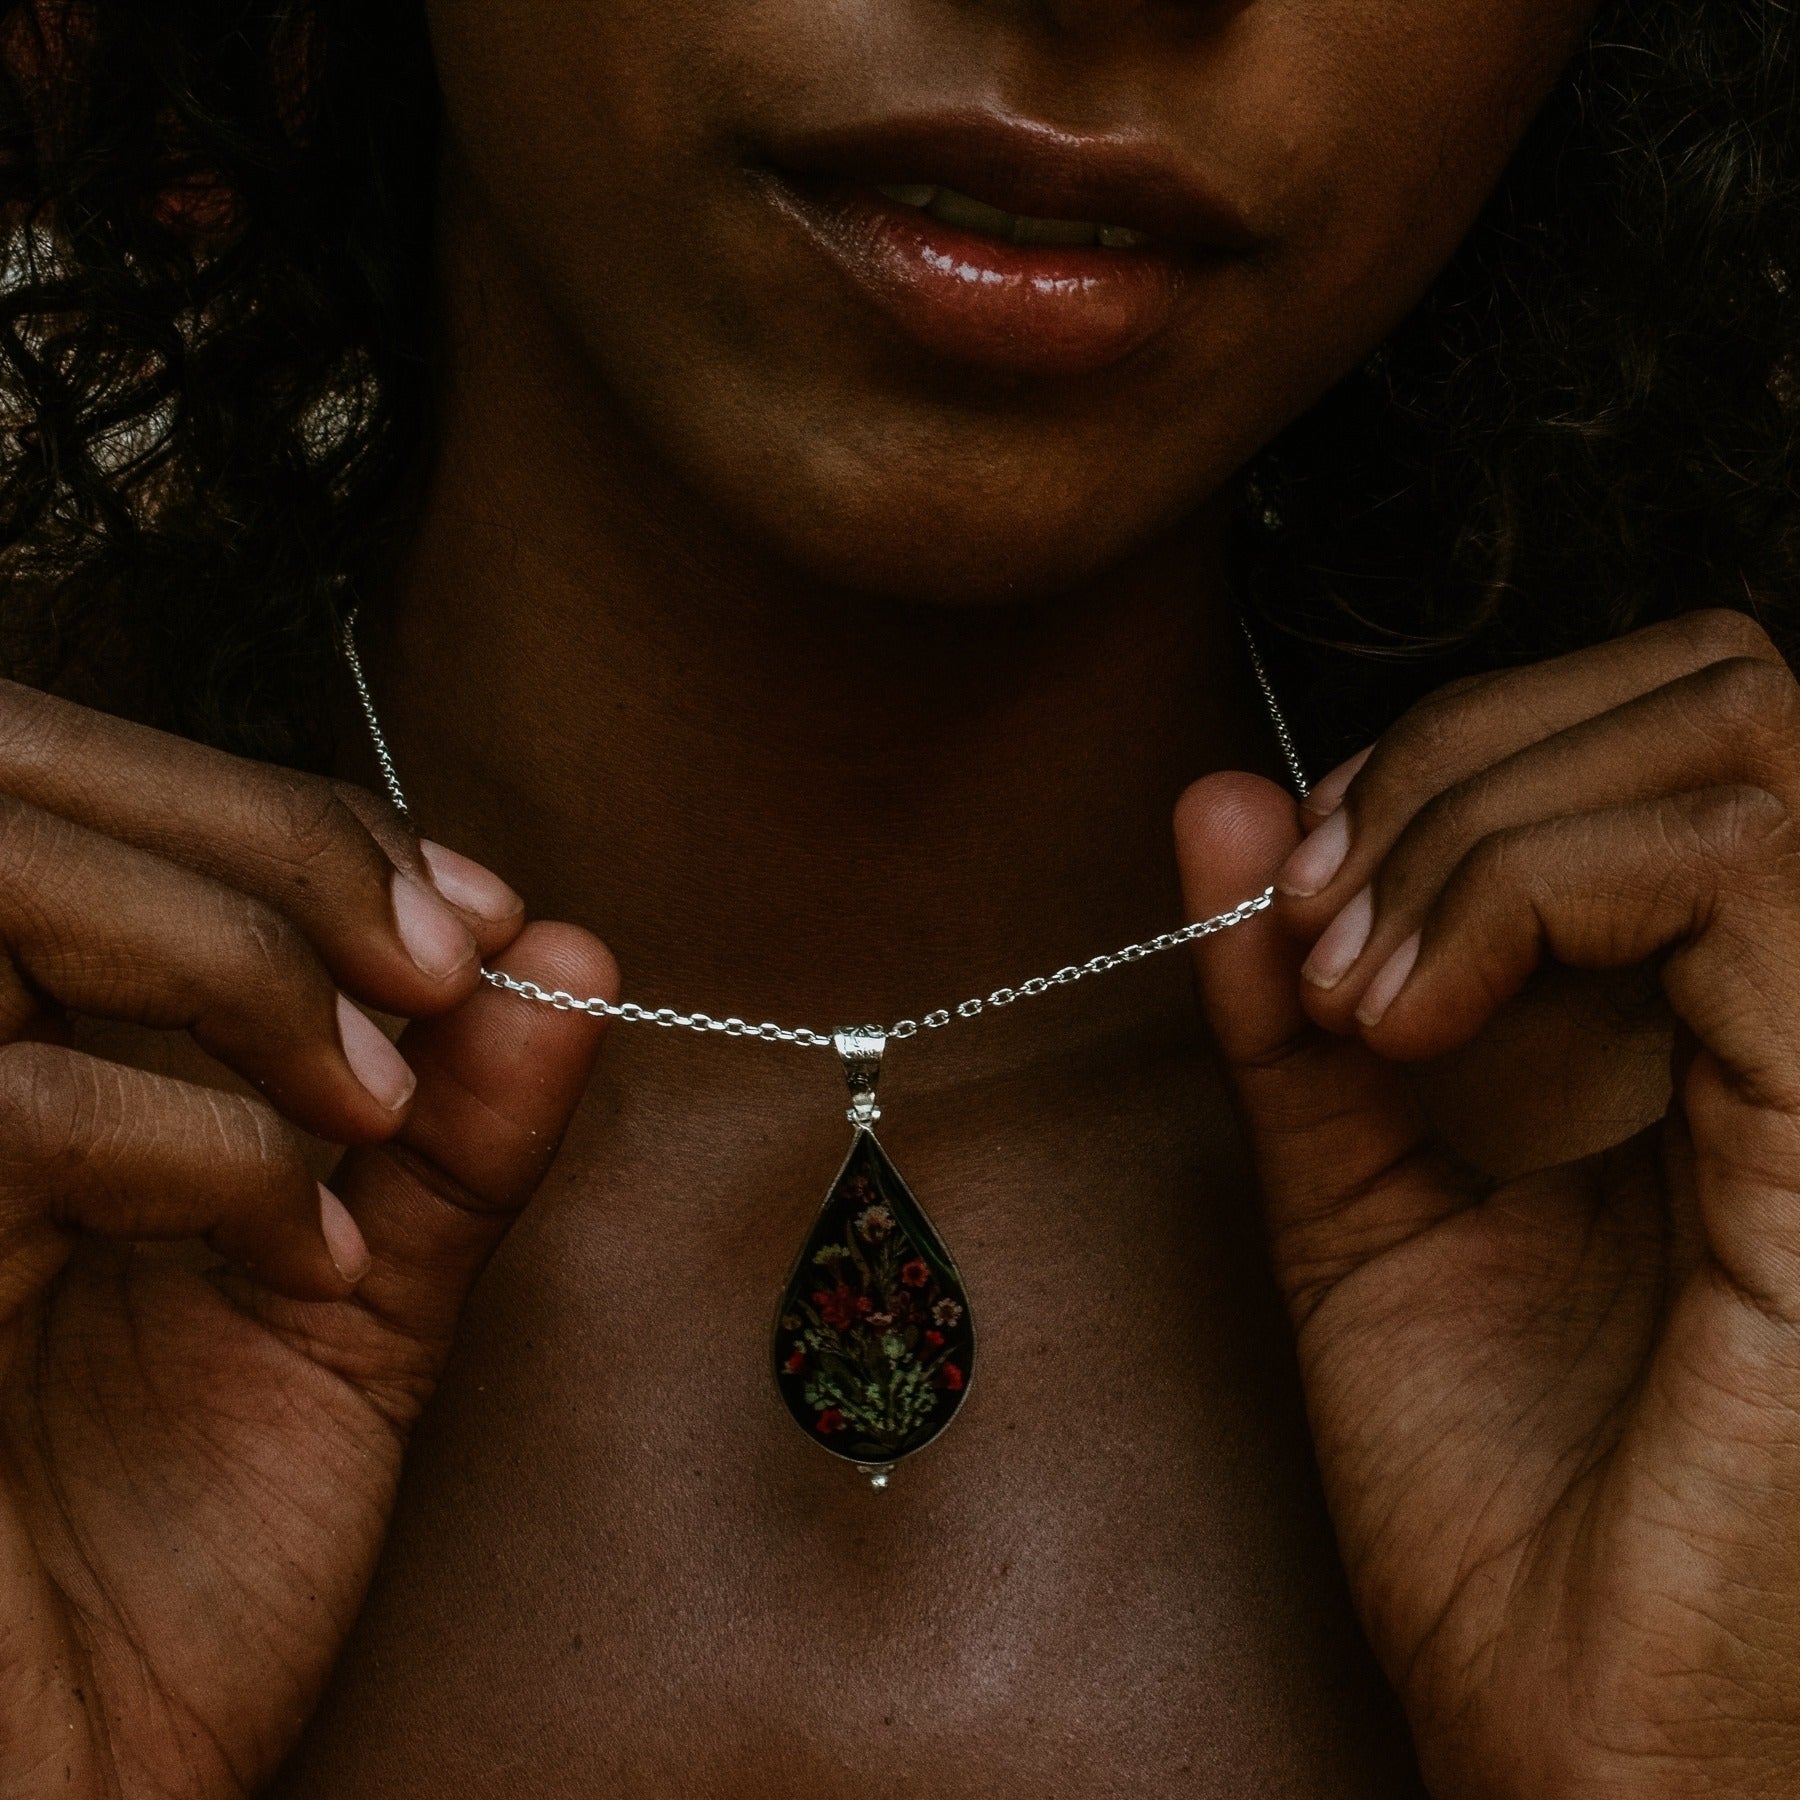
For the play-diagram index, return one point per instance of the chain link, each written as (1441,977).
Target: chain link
(1290,751)
(670,1019)
(389,774)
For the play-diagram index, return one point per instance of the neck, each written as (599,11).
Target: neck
(771,797)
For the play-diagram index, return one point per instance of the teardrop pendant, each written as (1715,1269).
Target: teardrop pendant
(874,1344)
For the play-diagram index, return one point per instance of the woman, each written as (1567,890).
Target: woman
(801,467)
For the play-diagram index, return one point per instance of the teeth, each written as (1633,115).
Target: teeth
(968,214)
(972,215)
(1054,231)
(910,193)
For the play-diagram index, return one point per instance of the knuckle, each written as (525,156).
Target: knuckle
(393,843)
(1432,727)
(245,1132)
(1423,739)
(1747,695)
(28,837)
(1719,634)
(1463,684)
(1451,821)
(1436,840)
(1740,829)
(35,726)
(47,1103)
(271,1142)
(1490,863)
(272,950)
(309,823)
(26,719)
(376,814)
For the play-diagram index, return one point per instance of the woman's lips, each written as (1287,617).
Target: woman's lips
(1021,309)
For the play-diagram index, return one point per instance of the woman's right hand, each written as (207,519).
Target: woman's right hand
(200,1454)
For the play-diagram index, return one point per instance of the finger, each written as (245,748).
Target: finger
(1455,734)
(1709,877)
(401,928)
(1710,882)
(1735,722)
(499,1080)
(1340,1147)
(91,1146)
(106,930)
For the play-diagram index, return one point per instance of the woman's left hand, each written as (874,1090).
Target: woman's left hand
(1558,1416)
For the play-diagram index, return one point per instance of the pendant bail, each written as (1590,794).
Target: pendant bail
(860,1047)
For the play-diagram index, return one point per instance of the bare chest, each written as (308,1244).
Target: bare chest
(618,1568)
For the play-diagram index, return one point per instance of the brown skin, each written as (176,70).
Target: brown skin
(610,152)
(1558,1417)
(673,651)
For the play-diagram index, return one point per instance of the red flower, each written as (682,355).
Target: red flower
(796,1362)
(953,1377)
(934,1340)
(864,1305)
(915,1273)
(838,1308)
(831,1420)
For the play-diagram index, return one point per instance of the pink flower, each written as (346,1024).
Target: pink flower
(946,1312)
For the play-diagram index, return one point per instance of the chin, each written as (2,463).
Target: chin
(947,547)
(977,517)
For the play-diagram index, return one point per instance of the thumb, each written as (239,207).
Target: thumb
(1339,1143)
(499,1079)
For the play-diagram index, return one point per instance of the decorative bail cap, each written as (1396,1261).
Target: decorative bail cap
(860,1048)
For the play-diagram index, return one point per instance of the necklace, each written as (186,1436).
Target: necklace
(874,1339)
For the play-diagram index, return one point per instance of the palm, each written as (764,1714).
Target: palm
(197,1503)
(1499,1405)
(199,1471)
(1555,1419)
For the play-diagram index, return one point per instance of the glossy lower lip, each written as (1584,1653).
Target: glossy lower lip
(1018,309)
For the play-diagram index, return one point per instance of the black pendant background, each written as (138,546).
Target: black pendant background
(874,1346)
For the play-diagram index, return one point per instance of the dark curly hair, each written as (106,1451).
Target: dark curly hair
(214,346)
(215,336)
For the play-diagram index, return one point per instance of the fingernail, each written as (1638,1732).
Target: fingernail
(372,1059)
(467,885)
(1327,795)
(1385,988)
(349,1252)
(1312,867)
(1342,942)
(435,938)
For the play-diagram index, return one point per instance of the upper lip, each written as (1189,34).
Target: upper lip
(1027,167)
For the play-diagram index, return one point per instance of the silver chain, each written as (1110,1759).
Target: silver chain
(390,775)
(1290,753)
(673,1020)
